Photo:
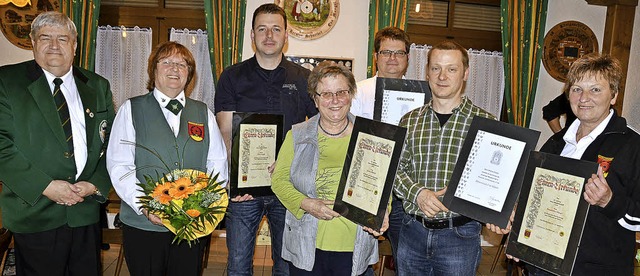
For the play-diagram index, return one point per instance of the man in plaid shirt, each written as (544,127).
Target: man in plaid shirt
(433,240)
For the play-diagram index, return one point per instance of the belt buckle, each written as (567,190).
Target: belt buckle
(436,224)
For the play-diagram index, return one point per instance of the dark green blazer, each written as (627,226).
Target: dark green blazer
(33,151)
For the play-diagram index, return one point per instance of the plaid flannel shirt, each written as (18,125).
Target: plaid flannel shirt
(430,151)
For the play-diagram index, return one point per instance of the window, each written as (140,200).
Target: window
(159,15)
(472,23)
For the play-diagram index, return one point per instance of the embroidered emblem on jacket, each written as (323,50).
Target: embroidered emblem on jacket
(605,163)
(102,130)
(290,86)
(196,131)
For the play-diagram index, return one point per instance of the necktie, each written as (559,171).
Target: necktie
(174,106)
(63,112)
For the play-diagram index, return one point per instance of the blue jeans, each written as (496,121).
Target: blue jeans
(242,225)
(452,251)
(395,223)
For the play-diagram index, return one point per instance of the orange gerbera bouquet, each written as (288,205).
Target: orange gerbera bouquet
(190,202)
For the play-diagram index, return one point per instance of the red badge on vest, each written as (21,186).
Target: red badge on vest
(196,131)
(605,163)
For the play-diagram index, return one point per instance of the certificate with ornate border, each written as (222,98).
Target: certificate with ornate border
(256,141)
(369,172)
(488,174)
(396,97)
(551,212)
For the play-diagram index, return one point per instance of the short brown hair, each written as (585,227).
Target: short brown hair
(595,64)
(451,45)
(329,69)
(164,50)
(392,33)
(268,8)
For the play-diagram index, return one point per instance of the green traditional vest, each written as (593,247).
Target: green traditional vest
(153,132)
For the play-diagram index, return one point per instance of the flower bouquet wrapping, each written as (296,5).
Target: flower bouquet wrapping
(189,202)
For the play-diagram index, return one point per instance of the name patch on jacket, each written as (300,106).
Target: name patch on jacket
(605,163)
(290,86)
(196,131)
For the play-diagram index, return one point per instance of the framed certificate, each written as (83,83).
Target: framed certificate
(256,141)
(396,97)
(369,171)
(488,174)
(551,212)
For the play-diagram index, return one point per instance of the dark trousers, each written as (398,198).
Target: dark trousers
(60,251)
(329,263)
(151,253)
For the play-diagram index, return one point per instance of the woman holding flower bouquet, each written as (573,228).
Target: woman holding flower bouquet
(316,240)
(164,157)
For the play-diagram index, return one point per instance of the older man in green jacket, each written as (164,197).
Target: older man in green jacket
(54,122)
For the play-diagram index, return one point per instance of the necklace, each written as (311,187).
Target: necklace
(333,134)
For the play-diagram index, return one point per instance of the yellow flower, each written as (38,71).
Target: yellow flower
(181,189)
(178,202)
(161,193)
(193,213)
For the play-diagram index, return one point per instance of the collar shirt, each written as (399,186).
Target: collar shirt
(121,155)
(431,151)
(172,119)
(363,102)
(246,87)
(76,115)
(574,149)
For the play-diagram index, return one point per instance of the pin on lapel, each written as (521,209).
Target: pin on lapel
(89,112)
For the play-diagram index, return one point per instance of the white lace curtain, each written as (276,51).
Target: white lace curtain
(485,86)
(121,57)
(196,41)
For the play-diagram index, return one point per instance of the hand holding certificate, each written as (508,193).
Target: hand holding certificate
(551,214)
(369,171)
(486,180)
(256,141)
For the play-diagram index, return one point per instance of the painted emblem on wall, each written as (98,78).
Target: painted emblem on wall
(563,44)
(16,21)
(310,19)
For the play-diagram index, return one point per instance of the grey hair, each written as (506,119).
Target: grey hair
(55,19)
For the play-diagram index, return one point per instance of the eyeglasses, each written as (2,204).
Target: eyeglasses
(340,95)
(179,65)
(388,53)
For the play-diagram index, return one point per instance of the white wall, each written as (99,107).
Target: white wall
(347,39)
(594,17)
(631,107)
(11,53)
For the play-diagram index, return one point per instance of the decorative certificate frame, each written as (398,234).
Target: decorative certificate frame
(256,140)
(488,174)
(396,97)
(369,172)
(551,213)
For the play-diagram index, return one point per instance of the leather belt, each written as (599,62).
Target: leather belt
(442,223)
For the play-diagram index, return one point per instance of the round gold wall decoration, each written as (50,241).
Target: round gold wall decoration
(310,19)
(16,21)
(563,44)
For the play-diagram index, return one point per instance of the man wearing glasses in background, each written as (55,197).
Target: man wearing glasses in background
(391,47)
